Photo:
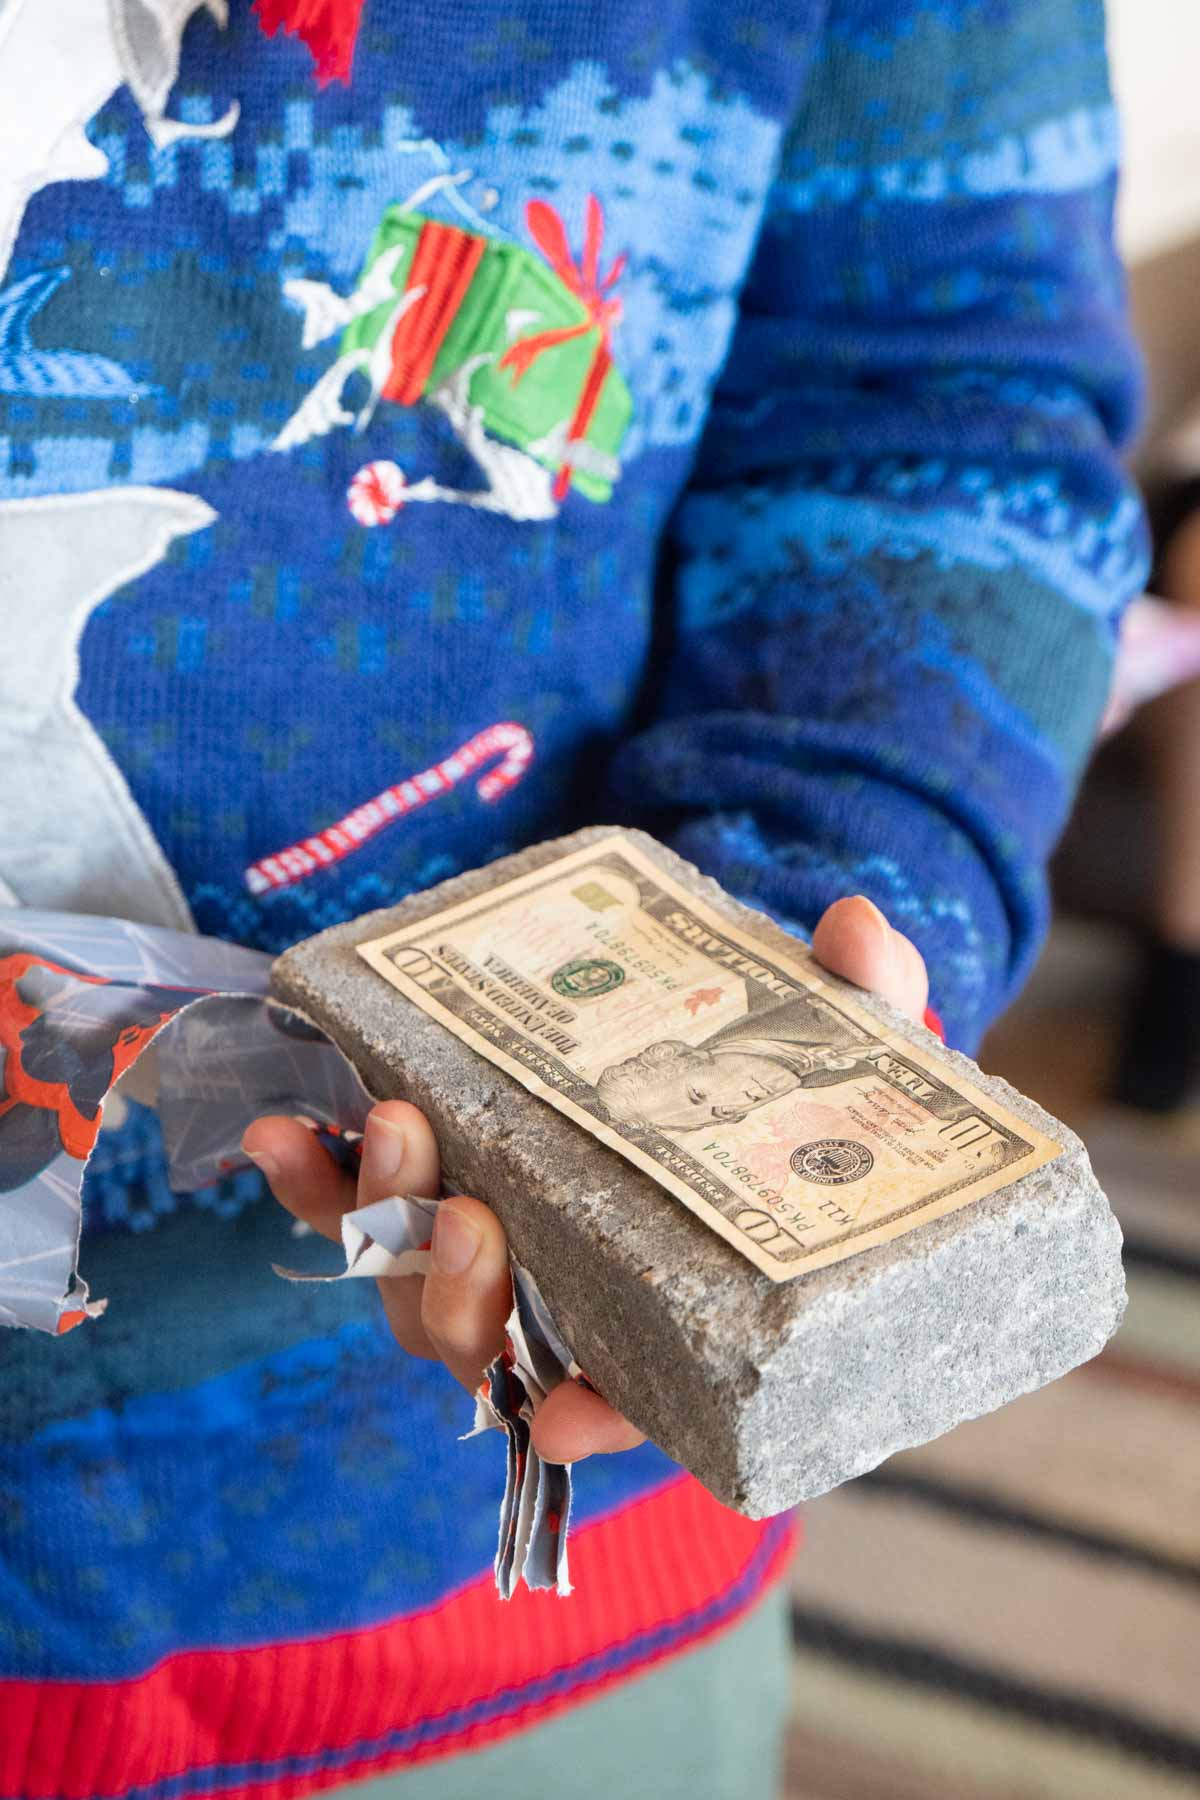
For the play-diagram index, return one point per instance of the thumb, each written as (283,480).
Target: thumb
(854,940)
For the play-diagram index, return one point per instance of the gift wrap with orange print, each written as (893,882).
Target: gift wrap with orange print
(779,1225)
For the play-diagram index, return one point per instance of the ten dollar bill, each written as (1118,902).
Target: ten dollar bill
(790,1121)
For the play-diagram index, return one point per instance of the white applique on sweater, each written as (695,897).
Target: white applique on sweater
(60,60)
(72,836)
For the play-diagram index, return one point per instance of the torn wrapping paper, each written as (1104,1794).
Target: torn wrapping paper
(392,1237)
(81,1000)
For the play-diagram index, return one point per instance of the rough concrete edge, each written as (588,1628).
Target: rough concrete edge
(1075,1335)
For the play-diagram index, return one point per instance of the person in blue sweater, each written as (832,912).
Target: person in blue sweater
(704,417)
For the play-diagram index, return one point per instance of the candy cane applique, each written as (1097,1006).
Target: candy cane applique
(511,742)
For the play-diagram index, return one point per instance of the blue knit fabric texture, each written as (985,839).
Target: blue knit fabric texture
(823,589)
(845,622)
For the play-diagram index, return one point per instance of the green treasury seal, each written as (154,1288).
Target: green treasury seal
(586,978)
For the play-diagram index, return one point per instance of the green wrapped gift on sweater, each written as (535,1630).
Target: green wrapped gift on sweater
(532,336)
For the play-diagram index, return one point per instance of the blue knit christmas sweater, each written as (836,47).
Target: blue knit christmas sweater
(701,415)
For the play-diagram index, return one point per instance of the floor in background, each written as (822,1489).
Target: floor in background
(1013,1612)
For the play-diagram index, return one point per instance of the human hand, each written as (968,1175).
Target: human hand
(456,1314)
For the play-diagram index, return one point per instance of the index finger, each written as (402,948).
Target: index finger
(400,1154)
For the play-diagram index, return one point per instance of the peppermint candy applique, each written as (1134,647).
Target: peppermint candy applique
(376,494)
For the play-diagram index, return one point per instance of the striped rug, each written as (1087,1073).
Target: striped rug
(1013,1612)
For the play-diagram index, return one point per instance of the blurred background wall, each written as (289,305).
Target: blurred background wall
(1155,48)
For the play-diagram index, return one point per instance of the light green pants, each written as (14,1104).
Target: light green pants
(706,1726)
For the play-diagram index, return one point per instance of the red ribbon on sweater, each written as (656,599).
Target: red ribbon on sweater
(548,232)
(329,29)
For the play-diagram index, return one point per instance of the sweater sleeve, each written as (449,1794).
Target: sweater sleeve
(892,586)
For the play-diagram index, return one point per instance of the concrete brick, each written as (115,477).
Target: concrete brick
(770,1393)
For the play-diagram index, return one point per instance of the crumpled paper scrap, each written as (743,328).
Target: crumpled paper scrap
(81,1000)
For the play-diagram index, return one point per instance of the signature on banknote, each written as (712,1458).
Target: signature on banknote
(782,1114)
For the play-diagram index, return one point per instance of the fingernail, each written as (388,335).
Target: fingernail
(455,1241)
(884,929)
(863,900)
(268,1164)
(383,1149)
